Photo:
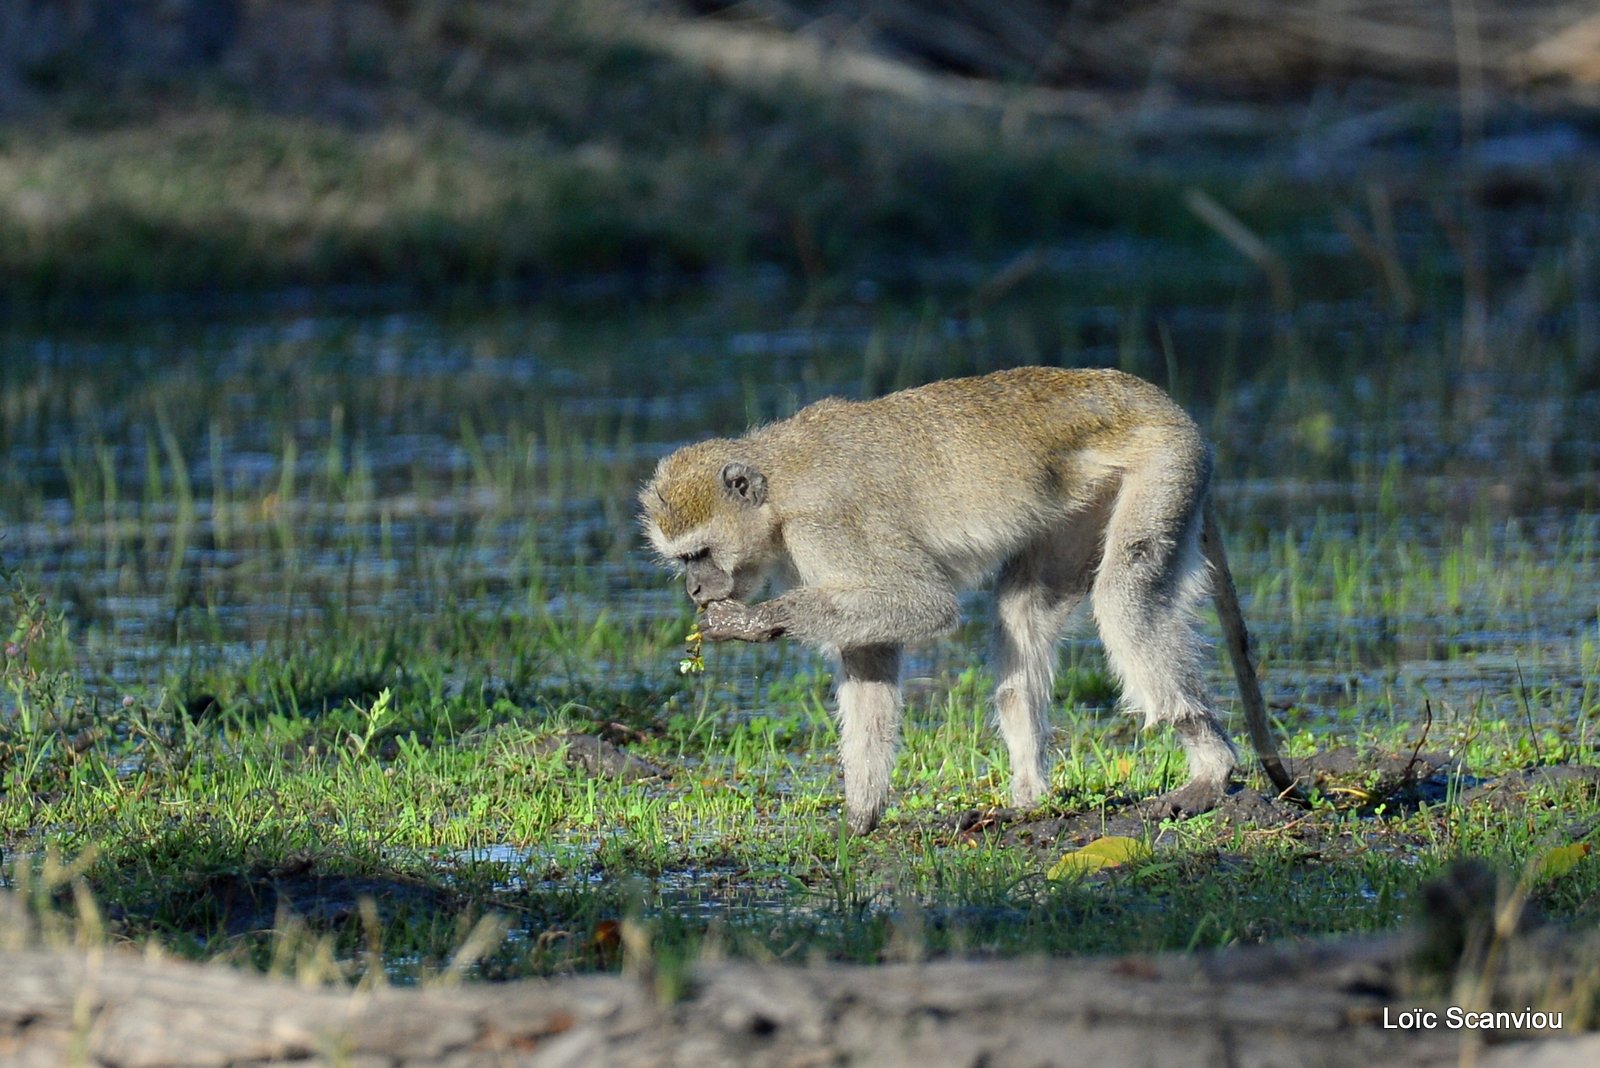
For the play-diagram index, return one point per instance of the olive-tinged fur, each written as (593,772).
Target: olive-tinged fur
(1063,484)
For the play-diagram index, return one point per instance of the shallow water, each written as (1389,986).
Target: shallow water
(189,493)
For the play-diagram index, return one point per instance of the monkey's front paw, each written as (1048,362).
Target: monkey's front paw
(738,622)
(1190,799)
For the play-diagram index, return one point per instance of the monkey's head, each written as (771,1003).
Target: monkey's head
(707,515)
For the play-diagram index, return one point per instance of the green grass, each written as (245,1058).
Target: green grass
(337,772)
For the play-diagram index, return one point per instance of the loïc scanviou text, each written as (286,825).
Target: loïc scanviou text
(1456,1018)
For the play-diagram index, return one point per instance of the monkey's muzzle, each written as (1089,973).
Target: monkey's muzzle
(705,582)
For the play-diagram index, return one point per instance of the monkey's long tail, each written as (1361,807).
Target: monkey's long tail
(1238,641)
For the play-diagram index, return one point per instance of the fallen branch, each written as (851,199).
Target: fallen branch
(1314,1004)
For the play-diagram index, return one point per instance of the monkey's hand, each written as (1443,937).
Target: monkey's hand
(734,621)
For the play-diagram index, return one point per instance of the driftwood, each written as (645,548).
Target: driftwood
(1272,45)
(1319,1004)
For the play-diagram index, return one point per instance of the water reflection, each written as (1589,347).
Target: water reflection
(209,492)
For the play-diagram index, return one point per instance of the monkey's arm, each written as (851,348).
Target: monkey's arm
(735,621)
(848,619)
(849,591)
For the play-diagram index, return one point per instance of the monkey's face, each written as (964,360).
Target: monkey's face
(709,519)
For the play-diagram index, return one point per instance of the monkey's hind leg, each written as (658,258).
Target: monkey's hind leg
(1035,594)
(869,726)
(1150,578)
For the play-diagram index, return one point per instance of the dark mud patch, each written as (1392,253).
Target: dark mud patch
(1373,786)
(1371,782)
(1515,788)
(252,903)
(256,900)
(1050,832)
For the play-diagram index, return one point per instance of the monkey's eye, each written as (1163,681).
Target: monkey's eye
(695,557)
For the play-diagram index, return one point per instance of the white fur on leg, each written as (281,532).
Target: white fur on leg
(1151,576)
(1036,593)
(869,727)
(1025,645)
(1209,751)
(1019,715)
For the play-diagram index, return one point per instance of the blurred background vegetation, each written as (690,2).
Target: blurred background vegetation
(488,149)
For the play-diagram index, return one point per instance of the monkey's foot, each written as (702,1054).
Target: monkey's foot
(864,821)
(1029,790)
(1190,799)
(736,621)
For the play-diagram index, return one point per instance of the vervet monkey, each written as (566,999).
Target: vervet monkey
(873,514)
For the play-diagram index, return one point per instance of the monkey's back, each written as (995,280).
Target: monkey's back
(970,467)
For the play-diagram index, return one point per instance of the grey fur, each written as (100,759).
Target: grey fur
(1072,485)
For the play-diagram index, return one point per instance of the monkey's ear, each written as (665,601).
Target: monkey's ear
(744,483)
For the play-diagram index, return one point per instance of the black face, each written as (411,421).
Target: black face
(704,580)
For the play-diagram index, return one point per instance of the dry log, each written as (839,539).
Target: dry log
(1319,1004)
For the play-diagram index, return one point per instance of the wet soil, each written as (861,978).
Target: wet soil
(1346,781)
